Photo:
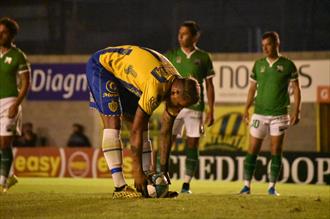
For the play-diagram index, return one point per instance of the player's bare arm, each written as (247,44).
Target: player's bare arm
(250,99)
(167,121)
(295,114)
(24,79)
(210,101)
(140,124)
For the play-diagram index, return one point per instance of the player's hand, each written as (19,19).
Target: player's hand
(246,117)
(13,110)
(209,120)
(140,183)
(294,118)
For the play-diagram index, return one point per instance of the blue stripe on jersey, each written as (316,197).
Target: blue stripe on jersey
(121,51)
(159,78)
(130,87)
(116,170)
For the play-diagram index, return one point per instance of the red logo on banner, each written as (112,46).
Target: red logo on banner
(323,94)
(79,163)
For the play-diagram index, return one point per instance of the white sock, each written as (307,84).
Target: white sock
(247,183)
(3,180)
(187,179)
(112,150)
(271,184)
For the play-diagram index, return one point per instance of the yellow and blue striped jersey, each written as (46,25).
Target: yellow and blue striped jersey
(142,71)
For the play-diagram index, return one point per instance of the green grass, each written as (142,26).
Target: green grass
(91,198)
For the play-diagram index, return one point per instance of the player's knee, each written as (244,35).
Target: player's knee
(111,139)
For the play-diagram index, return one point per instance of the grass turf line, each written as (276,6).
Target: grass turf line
(91,198)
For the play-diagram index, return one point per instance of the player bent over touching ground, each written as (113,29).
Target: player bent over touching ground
(13,65)
(132,81)
(270,78)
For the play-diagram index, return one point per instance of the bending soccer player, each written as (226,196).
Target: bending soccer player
(13,65)
(270,78)
(191,61)
(132,81)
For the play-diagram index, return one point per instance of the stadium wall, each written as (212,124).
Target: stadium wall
(53,119)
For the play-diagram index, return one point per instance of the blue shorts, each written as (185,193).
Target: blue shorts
(107,95)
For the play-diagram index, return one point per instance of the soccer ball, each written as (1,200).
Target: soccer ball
(158,187)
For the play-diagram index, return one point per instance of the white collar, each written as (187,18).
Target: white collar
(189,54)
(3,54)
(271,63)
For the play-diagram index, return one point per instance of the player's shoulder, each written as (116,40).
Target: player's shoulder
(203,54)
(286,59)
(172,51)
(260,61)
(17,52)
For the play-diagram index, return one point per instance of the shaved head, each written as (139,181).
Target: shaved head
(188,89)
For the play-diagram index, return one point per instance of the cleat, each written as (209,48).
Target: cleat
(185,191)
(126,192)
(272,191)
(245,191)
(186,188)
(11,181)
(171,194)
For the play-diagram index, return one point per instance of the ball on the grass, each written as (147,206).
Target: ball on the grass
(158,187)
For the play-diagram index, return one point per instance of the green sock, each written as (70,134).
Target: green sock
(275,167)
(191,161)
(6,161)
(249,166)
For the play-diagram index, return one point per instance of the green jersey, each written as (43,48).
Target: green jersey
(272,85)
(12,63)
(197,64)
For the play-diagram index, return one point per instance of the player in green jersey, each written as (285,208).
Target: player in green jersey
(191,61)
(13,64)
(270,79)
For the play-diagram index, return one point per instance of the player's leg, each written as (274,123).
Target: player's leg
(258,130)
(129,103)
(8,128)
(191,163)
(6,160)
(112,148)
(105,99)
(277,131)
(147,159)
(193,122)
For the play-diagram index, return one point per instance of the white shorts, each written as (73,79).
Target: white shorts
(189,119)
(261,125)
(9,126)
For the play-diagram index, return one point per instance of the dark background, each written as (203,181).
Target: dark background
(84,26)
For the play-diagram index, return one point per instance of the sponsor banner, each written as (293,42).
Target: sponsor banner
(231,81)
(39,162)
(58,82)
(307,168)
(301,168)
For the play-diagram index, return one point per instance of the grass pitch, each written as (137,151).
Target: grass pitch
(92,198)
